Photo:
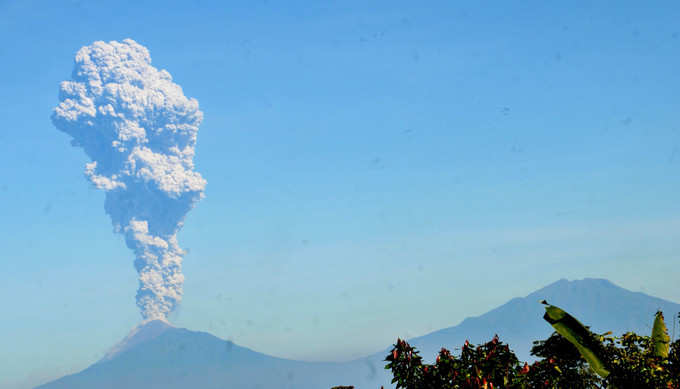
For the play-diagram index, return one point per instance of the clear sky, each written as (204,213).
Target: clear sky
(374,169)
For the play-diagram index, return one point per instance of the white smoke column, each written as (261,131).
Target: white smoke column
(139,130)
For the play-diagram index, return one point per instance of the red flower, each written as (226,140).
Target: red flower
(394,354)
(437,358)
(425,369)
(525,369)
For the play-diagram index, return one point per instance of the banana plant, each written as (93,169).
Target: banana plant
(576,333)
(660,339)
(590,346)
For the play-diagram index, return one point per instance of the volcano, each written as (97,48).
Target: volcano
(158,355)
(141,334)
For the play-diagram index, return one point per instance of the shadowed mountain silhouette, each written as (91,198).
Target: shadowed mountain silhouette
(595,302)
(158,355)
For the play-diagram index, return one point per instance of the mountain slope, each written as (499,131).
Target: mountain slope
(140,334)
(597,303)
(179,358)
(160,356)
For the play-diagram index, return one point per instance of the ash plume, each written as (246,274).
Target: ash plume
(139,130)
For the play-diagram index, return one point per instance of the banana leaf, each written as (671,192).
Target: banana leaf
(576,333)
(660,339)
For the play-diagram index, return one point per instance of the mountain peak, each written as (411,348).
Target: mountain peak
(582,283)
(142,333)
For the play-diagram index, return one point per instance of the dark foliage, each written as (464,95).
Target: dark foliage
(494,365)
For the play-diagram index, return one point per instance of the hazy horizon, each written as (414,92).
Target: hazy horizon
(373,170)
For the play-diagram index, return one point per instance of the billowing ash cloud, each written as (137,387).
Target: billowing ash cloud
(139,130)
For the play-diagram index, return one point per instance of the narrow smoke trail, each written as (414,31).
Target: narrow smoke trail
(139,130)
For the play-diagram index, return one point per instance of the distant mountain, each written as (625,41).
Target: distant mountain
(157,355)
(595,302)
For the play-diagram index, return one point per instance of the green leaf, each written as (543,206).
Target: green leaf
(576,333)
(660,339)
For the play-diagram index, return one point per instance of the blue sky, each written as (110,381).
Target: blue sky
(375,169)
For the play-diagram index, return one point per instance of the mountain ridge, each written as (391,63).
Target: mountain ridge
(587,299)
(178,358)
